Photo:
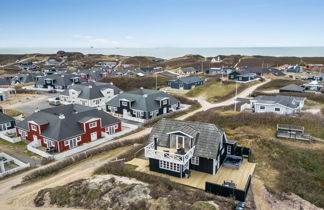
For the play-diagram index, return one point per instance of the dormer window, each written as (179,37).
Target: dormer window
(93,125)
(124,103)
(165,102)
(34,127)
(48,81)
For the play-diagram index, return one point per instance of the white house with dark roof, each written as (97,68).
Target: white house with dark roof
(57,81)
(277,104)
(6,122)
(93,94)
(142,104)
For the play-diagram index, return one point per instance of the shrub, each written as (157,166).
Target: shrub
(127,83)
(55,167)
(279,83)
(313,124)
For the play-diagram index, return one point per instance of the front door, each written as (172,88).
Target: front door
(2,126)
(73,143)
(164,110)
(180,142)
(93,136)
(125,113)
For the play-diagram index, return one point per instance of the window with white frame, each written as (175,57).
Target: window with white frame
(165,102)
(8,124)
(277,109)
(262,107)
(34,127)
(93,124)
(195,160)
(169,166)
(124,103)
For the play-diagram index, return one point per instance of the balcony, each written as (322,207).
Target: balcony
(168,154)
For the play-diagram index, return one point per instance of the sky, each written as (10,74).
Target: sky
(161,23)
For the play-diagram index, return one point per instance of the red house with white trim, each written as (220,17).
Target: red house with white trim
(66,127)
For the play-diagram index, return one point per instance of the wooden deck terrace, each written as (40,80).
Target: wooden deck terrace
(198,179)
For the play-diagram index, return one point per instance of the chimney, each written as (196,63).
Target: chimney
(142,88)
(36,110)
(90,86)
(111,83)
(61,116)
(155,143)
(145,95)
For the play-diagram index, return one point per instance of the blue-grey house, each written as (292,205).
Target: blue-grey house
(186,83)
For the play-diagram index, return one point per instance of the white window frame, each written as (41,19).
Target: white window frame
(228,149)
(33,127)
(195,160)
(277,110)
(262,107)
(165,102)
(169,166)
(93,125)
(124,103)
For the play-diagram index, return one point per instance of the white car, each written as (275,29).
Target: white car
(54,101)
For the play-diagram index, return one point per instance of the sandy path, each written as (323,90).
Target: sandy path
(205,105)
(22,197)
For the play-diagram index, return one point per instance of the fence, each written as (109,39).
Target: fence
(95,143)
(21,165)
(7,138)
(238,194)
(31,148)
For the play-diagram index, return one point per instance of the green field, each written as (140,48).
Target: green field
(212,89)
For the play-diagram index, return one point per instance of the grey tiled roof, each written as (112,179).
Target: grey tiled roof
(207,136)
(5,118)
(190,79)
(92,90)
(288,101)
(143,99)
(59,79)
(188,69)
(60,129)
(292,87)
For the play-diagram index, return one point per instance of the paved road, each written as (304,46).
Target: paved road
(22,197)
(205,105)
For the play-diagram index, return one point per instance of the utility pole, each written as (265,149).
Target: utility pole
(235,100)
(156,81)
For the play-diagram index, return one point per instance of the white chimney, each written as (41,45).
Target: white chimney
(36,110)
(142,88)
(61,116)
(111,83)
(90,86)
(145,95)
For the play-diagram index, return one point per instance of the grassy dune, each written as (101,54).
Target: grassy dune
(283,165)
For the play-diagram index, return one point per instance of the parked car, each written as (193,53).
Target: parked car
(55,101)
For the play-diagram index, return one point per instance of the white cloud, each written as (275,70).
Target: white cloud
(96,41)
(129,37)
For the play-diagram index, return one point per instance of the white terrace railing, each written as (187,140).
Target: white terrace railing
(150,152)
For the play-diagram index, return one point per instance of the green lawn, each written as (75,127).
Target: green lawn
(19,147)
(212,89)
